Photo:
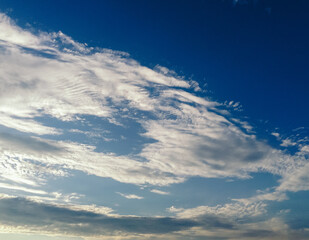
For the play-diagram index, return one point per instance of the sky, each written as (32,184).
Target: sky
(154,119)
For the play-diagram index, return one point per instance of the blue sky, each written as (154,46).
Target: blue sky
(154,120)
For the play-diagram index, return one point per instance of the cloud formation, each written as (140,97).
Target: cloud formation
(25,215)
(60,79)
(41,217)
(51,86)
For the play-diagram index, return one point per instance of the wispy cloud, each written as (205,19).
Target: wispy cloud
(189,132)
(48,78)
(130,196)
(159,192)
(19,188)
(191,135)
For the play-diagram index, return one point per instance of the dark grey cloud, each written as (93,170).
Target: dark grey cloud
(38,216)
(243,149)
(23,212)
(259,233)
(211,221)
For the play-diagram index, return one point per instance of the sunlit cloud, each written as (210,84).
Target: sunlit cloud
(130,196)
(52,86)
(188,131)
(157,191)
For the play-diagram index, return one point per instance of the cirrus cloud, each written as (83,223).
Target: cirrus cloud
(52,86)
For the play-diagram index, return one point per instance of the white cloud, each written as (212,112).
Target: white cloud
(235,210)
(277,135)
(27,125)
(24,189)
(41,79)
(130,196)
(295,181)
(11,33)
(46,77)
(287,143)
(159,192)
(305,149)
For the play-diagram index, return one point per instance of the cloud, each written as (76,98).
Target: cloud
(91,221)
(240,208)
(305,149)
(296,181)
(26,144)
(240,219)
(19,188)
(52,85)
(277,135)
(130,196)
(287,142)
(41,217)
(189,135)
(25,215)
(11,33)
(26,125)
(159,192)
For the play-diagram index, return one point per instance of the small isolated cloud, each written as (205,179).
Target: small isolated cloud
(159,192)
(277,135)
(130,196)
(287,143)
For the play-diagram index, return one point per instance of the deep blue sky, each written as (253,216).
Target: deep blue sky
(256,53)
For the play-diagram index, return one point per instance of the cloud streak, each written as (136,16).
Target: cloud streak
(130,196)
